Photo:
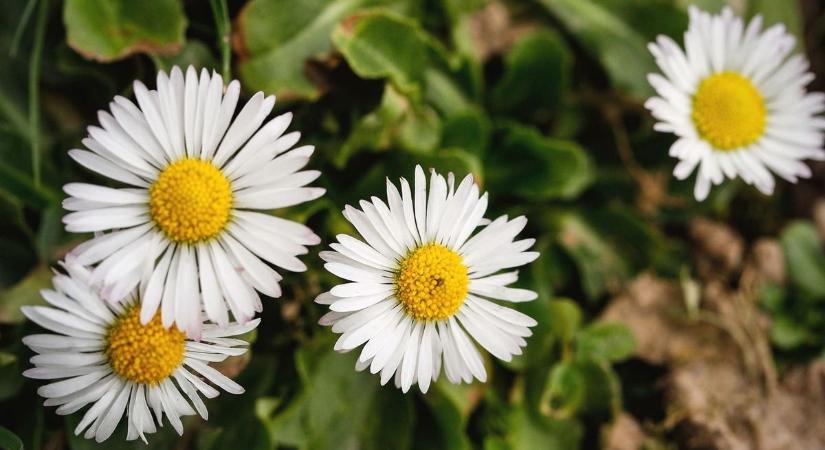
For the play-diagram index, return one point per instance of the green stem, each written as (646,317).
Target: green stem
(21,27)
(34,88)
(224,27)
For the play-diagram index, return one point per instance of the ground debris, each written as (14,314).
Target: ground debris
(721,390)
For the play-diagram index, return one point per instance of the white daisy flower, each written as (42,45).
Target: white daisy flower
(737,102)
(420,283)
(191,214)
(104,356)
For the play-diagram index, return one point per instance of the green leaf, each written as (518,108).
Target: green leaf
(619,47)
(278,38)
(396,122)
(451,405)
(246,432)
(583,387)
(193,53)
(566,317)
(26,292)
(9,440)
(337,406)
(536,77)
(534,432)
(469,130)
(107,30)
(363,40)
(787,333)
(605,341)
(653,18)
(600,266)
(534,167)
(805,258)
(773,12)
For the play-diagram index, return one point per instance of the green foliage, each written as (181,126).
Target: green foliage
(9,440)
(379,86)
(107,30)
(798,324)
(536,77)
(618,46)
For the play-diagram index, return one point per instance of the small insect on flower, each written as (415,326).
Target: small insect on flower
(105,356)
(422,281)
(197,181)
(737,103)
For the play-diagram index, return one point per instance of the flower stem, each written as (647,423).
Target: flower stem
(224,27)
(34,88)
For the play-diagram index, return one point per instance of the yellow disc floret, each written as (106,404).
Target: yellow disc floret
(432,282)
(728,111)
(190,201)
(145,354)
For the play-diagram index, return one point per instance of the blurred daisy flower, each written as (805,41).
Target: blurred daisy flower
(420,282)
(103,355)
(190,215)
(737,102)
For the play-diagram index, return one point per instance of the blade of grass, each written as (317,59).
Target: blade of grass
(21,27)
(224,27)
(34,88)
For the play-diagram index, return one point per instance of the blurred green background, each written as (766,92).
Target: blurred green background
(656,314)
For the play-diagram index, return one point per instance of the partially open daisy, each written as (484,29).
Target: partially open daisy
(103,355)
(737,102)
(420,283)
(191,214)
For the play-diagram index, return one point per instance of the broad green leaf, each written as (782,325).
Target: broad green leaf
(107,30)
(396,122)
(566,317)
(337,406)
(451,406)
(469,130)
(363,39)
(651,18)
(245,431)
(278,37)
(527,431)
(600,266)
(536,76)
(9,440)
(805,258)
(787,333)
(445,94)
(583,387)
(535,167)
(193,53)
(26,292)
(455,160)
(605,341)
(618,46)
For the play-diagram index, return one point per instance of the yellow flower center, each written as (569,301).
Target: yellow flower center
(145,354)
(190,201)
(728,111)
(432,282)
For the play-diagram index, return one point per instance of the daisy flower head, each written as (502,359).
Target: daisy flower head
(192,212)
(421,281)
(100,354)
(737,101)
